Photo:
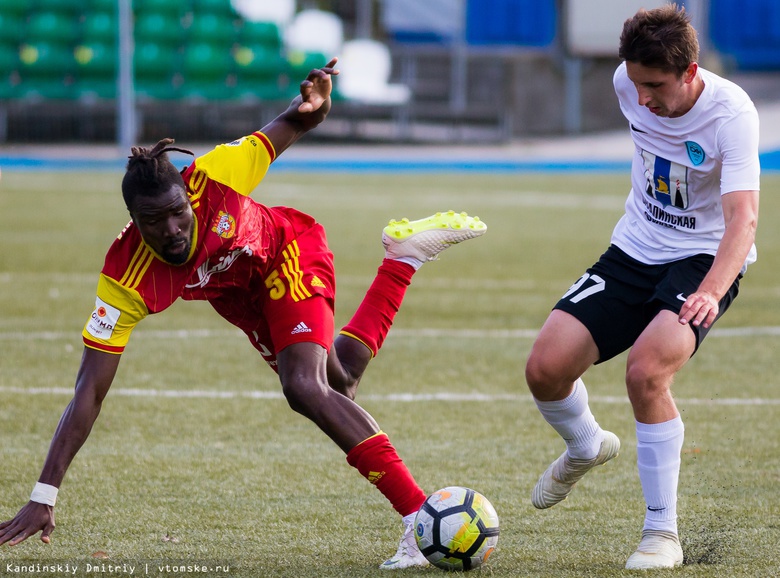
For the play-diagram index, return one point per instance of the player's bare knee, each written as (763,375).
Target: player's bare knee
(543,378)
(302,394)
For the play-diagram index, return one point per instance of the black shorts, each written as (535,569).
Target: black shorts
(618,297)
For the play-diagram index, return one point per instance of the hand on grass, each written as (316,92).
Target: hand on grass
(30,520)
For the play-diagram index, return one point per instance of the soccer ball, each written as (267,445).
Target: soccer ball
(456,528)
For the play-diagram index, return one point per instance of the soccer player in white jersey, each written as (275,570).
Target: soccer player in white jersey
(672,269)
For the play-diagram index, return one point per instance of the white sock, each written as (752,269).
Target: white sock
(658,450)
(413,261)
(572,419)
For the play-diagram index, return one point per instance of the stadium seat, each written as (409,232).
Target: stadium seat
(175,8)
(365,67)
(206,69)
(9,77)
(100,27)
(212,28)
(219,7)
(15,7)
(11,28)
(160,28)
(52,27)
(280,12)
(46,71)
(300,63)
(315,31)
(156,71)
(261,73)
(100,6)
(71,7)
(41,59)
(96,70)
(261,33)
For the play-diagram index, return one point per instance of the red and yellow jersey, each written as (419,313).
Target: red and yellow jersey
(237,244)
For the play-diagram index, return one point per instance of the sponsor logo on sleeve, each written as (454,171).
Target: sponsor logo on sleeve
(103,320)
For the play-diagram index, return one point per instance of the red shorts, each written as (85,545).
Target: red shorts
(298,304)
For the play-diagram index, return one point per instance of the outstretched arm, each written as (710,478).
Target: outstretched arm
(94,379)
(306,111)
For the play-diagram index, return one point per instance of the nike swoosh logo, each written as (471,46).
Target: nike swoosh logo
(682,297)
(637,129)
(655,509)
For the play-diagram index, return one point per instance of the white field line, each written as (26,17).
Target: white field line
(726,332)
(397,397)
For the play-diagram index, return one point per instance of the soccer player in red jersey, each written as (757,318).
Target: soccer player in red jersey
(197,234)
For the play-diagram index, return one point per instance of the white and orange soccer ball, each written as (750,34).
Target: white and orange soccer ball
(456,528)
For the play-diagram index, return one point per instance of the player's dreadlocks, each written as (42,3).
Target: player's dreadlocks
(149,172)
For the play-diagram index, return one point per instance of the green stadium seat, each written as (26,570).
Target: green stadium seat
(45,59)
(11,28)
(96,70)
(15,7)
(52,27)
(160,28)
(175,8)
(156,71)
(9,77)
(300,63)
(258,61)
(222,7)
(100,6)
(100,27)
(261,33)
(207,72)
(212,28)
(261,73)
(71,7)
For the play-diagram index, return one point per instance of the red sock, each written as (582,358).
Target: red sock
(373,319)
(378,462)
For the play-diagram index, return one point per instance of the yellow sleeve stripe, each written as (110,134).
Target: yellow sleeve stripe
(140,262)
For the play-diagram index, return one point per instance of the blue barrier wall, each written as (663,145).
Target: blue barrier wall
(511,22)
(746,34)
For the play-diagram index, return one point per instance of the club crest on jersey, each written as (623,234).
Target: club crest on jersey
(695,152)
(225,225)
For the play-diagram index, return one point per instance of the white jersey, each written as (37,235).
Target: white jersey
(682,166)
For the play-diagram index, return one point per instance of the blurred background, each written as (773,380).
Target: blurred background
(124,71)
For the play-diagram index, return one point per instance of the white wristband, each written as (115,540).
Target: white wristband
(44,494)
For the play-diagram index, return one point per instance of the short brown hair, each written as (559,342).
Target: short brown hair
(660,38)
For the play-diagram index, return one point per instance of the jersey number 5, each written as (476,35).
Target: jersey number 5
(585,286)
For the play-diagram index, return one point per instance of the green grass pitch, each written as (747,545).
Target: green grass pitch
(197,462)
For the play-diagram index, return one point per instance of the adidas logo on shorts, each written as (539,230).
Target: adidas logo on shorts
(301,328)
